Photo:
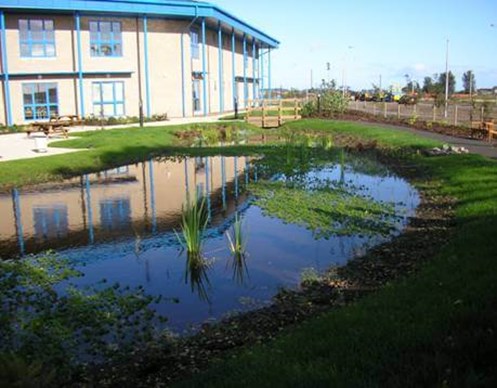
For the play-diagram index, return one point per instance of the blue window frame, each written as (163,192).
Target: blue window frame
(194,42)
(40,101)
(108,99)
(37,38)
(115,213)
(51,221)
(106,39)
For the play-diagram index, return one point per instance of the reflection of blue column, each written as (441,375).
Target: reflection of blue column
(223,180)
(255,174)
(17,216)
(247,171)
(208,187)
(152,195)
(187,181)
(236,176)
(90,210)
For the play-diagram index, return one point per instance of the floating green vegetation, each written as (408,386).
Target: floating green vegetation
(326,211)
(41,327)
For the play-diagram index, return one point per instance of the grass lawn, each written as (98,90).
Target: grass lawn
(103,149)
(436,328)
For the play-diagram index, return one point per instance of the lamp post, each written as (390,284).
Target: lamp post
(446,79)
(344,72)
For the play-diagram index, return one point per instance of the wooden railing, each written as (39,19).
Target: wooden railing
(272,113)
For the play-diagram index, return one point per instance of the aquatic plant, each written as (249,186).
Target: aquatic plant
(193,223)
(42,328)
(237,244)
(197,276)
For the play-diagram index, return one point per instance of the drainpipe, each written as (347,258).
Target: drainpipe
(183,61)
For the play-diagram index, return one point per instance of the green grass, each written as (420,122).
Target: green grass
(435,328)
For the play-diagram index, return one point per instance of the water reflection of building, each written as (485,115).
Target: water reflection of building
(128,201)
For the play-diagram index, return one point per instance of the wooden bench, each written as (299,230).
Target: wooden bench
(489,128)
(483,129)
(54,125)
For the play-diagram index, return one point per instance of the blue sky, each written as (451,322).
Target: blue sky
(369,38)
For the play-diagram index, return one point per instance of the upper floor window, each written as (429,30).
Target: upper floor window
(106,39)
(194,43)
(40,101)
(37,38)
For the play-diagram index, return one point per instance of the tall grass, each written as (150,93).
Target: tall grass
(237,244)
(193,223)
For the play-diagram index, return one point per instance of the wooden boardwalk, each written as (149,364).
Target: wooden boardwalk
(272,113)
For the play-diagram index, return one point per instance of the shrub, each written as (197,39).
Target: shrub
(328,104)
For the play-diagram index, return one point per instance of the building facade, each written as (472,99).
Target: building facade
(114,58)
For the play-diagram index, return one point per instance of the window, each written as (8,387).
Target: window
(40,101)
(37,38)
(196,95)
(115,213)
(106,39)
(50,222)
(108,99)
(194,43)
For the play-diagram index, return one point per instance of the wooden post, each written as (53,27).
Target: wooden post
(374,109)
(398,111)
(385,110)
(263,113)
(434,113)
(455,114)
(296,110)
(280,113)
(414,109)
(482,113)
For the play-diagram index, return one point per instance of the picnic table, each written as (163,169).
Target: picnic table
(55,125)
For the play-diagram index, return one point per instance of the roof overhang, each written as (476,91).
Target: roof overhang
(153,8)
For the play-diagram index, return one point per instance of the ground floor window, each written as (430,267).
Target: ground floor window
(196,95)
(108,99)
(40,101)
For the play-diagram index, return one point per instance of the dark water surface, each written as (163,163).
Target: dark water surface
(118,225)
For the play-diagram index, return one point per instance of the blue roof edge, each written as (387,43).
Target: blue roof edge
(144,7)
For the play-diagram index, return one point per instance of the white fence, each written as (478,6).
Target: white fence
(456,114)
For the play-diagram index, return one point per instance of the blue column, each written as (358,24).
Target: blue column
(183,96)
(261,59)
(221,80)
(90,210)
(16,199)
(147,77)
(152,195)
(204,72)
(254,84)
(270,91)
(233,47)
(5,68)
(245,60)
(80,66)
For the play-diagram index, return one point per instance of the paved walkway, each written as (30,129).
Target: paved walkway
(474,146)
(19,146)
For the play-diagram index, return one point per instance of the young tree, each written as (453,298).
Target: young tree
(469,82)
(428,85)
(452,82)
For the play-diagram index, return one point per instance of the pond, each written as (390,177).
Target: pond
(119,225)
